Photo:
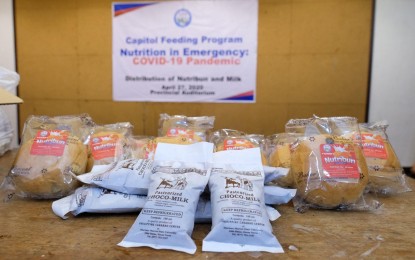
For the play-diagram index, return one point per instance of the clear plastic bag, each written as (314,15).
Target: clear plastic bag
(328,165)
(6,132)
(230,139)
(142,147)
(278,150)
(109,143)
(9,81)
(386,176)
(194,129)
(51,151)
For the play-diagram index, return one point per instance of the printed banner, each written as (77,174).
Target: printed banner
(185,51)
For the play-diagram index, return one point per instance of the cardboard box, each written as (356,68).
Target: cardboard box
(7,98)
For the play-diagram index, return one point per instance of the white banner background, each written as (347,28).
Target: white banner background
(185,51)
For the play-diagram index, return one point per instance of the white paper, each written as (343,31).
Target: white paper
(245,156)
(197,152)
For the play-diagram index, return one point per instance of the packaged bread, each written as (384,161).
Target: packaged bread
(278,150)
(175,140)
(194,129)
(297,126)
(386,176)
(181,140)
(51,151)
(230,139)
(143,147)
(109,143)
(328,166)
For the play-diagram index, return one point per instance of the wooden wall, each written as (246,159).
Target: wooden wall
(313,58)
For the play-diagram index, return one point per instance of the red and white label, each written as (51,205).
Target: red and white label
(173,132)
(49,142)
(103,146)
(237,144)
(339,161)
(373,146)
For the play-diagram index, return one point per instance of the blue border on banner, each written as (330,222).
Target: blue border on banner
(122,8)
(246,98)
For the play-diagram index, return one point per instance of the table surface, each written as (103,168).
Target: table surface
(29,229)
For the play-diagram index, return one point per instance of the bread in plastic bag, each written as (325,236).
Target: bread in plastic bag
(278,150)
(230,139)
(194,129)
(386,176)
(109,143)
(328,166)
(142,147)
(51,151)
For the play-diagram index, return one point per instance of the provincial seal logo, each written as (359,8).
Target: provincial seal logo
(182,17)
